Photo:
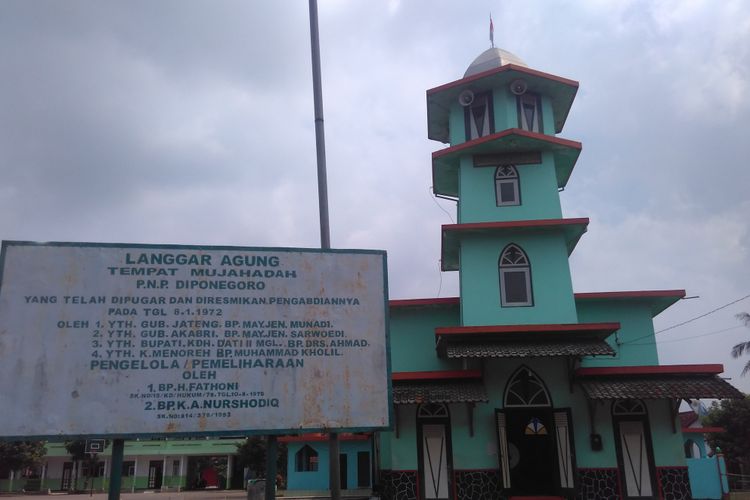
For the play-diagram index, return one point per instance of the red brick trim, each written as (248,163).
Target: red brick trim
(437,301)
(323,437)
(650,370)
(502,69)
(505,133)
(474,226)
(436,375)
(703,430)
(577,327)
(635,294)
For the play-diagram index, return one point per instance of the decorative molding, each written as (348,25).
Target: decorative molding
(674,483)
(598,484)
(399,485)
(477,484)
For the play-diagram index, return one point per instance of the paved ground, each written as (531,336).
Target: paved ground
(166,495)
(149,495)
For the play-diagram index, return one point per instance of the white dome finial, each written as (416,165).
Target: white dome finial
(493,58)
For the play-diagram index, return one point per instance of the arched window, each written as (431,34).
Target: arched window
(479,117)
(628,407)
(515,277)
(526,389)
(306,459)
(432,410)
(507,190)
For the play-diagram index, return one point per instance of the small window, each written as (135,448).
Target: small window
(478,117)
(507,190)
(306,459)
(530,112)
(692,450)
(515,277)
(128,468)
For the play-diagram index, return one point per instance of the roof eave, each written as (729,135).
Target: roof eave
(572,229)
(445,162)
(659,300)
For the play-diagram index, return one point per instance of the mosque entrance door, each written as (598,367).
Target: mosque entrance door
(534,440)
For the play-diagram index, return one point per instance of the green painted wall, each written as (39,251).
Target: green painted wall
(480,451)
(413,338)
(635,322)
(668,445)
(538,193)
(548,122)
(456,125)
(550,276)
(400,453)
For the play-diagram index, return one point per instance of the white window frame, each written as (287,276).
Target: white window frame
(527,275)
(525,268)
(507,179)
(483,100)
(536,100)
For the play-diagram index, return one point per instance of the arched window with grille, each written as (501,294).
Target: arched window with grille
(507,186)
(525,389)
(306,459)
(515,277)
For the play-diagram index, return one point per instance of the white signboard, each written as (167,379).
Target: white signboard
(119,340)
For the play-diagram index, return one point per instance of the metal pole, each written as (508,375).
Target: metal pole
(271,454)
(320,138)
(115,473)
(335,477)
(325,232)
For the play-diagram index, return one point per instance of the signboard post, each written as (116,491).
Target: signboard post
(120,341)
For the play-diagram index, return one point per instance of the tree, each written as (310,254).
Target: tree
(734,416)
(743,347)
(77,451)
(252,454)
(17,455)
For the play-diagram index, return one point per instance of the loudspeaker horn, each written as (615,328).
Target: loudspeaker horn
(518,86)
(465,98)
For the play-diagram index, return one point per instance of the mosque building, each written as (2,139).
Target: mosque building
(519,386)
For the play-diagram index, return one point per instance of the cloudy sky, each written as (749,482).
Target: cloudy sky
(191,123)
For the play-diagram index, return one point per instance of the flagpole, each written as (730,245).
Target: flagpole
(334,478)
(492,32)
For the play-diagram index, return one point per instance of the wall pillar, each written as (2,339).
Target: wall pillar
(105,477)
(43,477)
(182,472)
(164,474)
(135,474)
(229,471)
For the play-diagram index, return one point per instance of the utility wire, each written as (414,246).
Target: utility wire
(434,199)
(704,314)
(688,321)
(440,274)
(687,338)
